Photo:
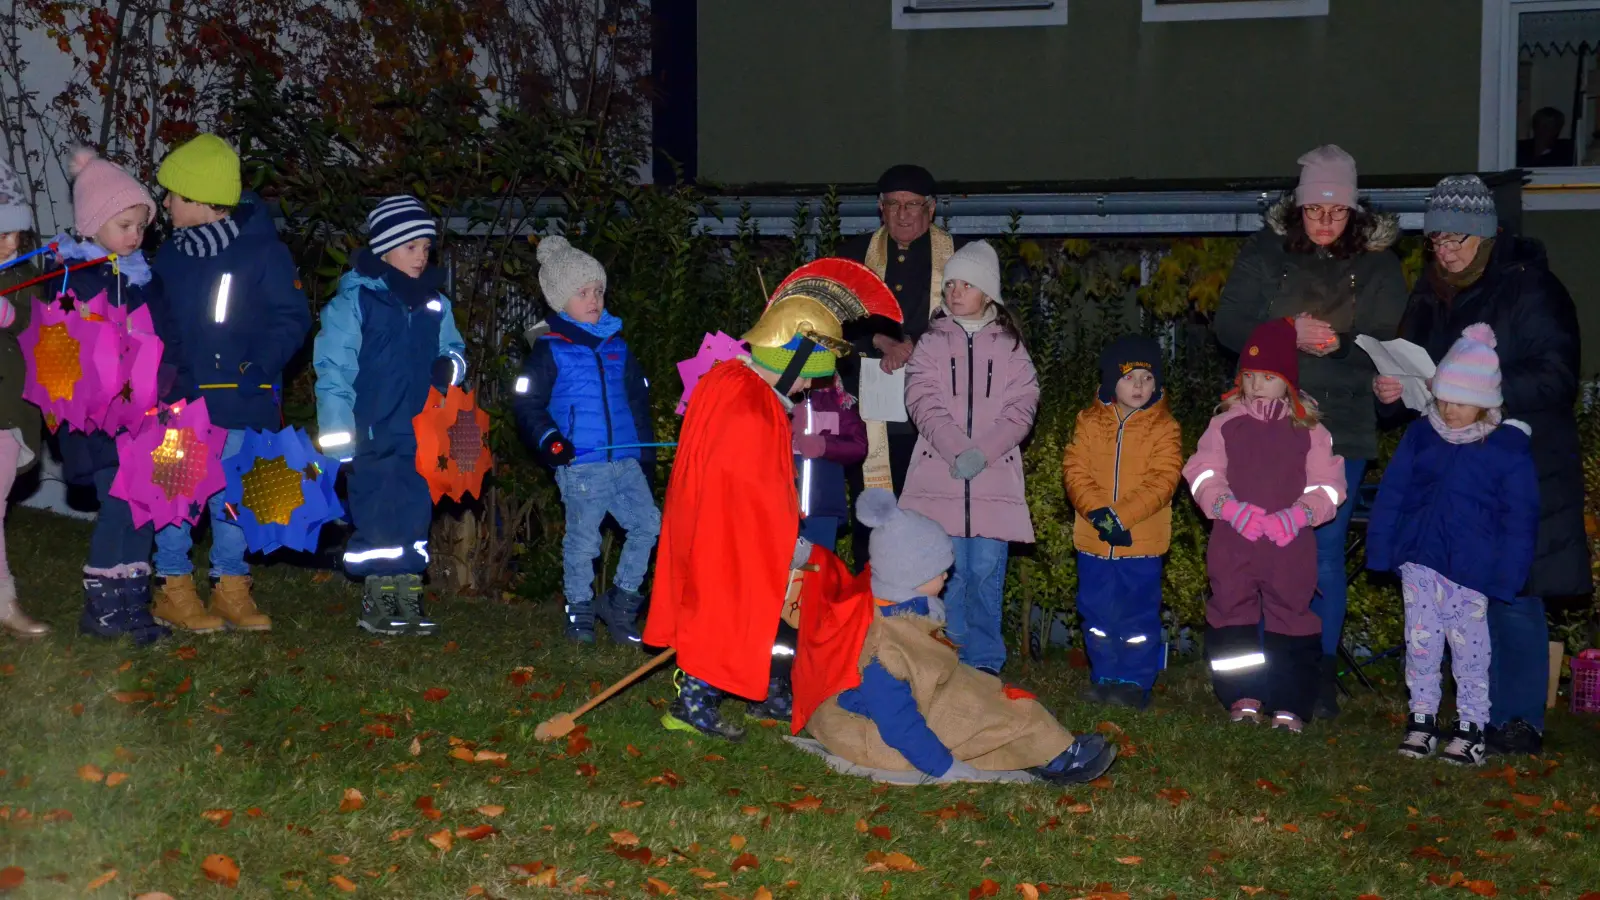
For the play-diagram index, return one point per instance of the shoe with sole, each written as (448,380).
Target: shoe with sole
(580,622)
(408,598)
(1515,738)
(232,601)
(619,610)
(778,706)
(698,709)
(1422,736)
(1087,759)
(380,607)
(177,606)
(1247,711)
(1466,746)
(1283,720)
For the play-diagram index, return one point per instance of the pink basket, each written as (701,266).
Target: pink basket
(1586,682)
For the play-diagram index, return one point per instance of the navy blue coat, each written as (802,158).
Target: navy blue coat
(242,312)
(82,455)
(1467,511)
(589,390)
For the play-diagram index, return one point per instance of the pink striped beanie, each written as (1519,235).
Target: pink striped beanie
(1470,373)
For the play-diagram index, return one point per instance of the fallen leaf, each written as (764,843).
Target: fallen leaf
(702,873)
(491,811)
(416,747)
(154,895)
(763,894)
(76,709)
(339,859)
(1481,888)
(578,741)
(218,817)
(881,832)
(133,696)
(625,838)
(493,756)
(1079,809)
(378,729)
(424,805)
(804,804)
(1251,889)
(352,801)
(988,888)
(343,884)
(587,770)
(1174,796)
(12,877)
(1130,860)
(1291,828)
(253,812)
(476,832)
(220,869)
(744,861)
(630,804)
(1532,801)
(736,842)
(441,839)
(400,834)
(1505,835)
(655,887)
(1269,787)
(115,778)
(633,751)
(91,773)
(435,694)
(462,753)
(102,881)
(1028,891)
(878,861)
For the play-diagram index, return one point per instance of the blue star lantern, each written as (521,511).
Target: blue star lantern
(280,490)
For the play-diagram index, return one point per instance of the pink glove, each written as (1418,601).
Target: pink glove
(1284,525)
(1246,518)
(811,446)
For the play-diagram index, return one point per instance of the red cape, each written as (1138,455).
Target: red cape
(836,608)
(727,533)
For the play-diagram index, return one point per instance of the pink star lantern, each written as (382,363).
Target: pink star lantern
(713,349)
(70,362)
(133,391)
(170,466)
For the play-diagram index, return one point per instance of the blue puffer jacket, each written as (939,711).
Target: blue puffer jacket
(82,455)
(375,356)
(582,383)
(234,291)
(1467,511)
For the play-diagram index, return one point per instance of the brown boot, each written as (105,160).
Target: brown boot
(230,599)
(12,618)
(178,606)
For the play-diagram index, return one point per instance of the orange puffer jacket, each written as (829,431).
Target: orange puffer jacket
(1132,466)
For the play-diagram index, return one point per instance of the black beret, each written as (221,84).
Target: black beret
(907,177)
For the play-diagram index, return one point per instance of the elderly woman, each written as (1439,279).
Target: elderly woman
(1324,260)
(1478,274)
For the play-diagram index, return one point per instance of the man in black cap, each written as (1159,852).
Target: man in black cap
(908,252)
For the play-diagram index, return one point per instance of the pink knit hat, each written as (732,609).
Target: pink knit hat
(1470,372)
(1327,175)
(100,190)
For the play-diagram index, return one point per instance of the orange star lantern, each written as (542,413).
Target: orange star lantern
(453,444)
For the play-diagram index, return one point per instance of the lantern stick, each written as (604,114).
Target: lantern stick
(49,275)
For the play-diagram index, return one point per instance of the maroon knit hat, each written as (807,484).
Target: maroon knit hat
(1271,348)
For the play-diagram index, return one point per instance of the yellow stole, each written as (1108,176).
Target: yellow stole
(875,468)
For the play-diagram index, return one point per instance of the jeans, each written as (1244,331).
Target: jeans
(973,599)
(590,491)
(1519,670)
(1440,612)
(1332,582)
(1120,601)
(821,530)
(115,541)
(228,545)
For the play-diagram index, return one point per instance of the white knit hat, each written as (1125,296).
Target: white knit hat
(564,270)
(15,213)
(978,265)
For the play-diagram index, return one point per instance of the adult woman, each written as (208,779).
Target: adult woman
(1323,259)
(1478,274)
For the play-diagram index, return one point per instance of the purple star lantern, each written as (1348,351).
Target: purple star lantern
(280,490)
(133,390)
(171,465)
(71,361)
(713,349)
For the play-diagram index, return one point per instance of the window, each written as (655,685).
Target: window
(922,14)
(1194,10)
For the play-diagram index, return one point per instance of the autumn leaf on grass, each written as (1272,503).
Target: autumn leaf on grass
(1532,801)
(667,779)
(578,741)
(1270,788)
(1506,835)
(352,801)
(218,817)
(133,696)
(744,861)
(1130,860)
(655,887)
(808,803)
(343,883)
(416,747)
(91,773)
(220,869)
(102,881)
(424,805)
(441,839)
(435,694)
(1028,890)
(12,877)
(115,778)
(400,834)
(378,729)
(1481,888)
(1291,827)
(476,832)
(988,888)
(878,861)
(1173,795)
(736,842)
(339,859)
(491,811)
(703,874)
(625,838)
(489,756)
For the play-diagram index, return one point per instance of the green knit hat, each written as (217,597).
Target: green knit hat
(818,365)
(205,170)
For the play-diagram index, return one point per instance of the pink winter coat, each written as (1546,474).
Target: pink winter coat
(964,392)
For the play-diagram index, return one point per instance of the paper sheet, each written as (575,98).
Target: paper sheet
(883,394)
(1406,362)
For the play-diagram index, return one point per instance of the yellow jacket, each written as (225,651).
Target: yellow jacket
(1132,466)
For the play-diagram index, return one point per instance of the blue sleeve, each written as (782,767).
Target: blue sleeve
(451,346)
(1520,496)
(1386,509)
(530,401)
(639,405)
(279,332)
(888,702)
(336,356)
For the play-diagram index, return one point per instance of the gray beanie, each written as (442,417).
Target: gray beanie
(15,213)
(564,270)
(907,549)
(1461,204)
(978,265)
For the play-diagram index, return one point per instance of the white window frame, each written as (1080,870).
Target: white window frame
(1264,9)
(1053,15)
(1570,187)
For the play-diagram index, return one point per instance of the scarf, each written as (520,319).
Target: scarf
(1477,431)
(1264,409)
(206,240)
(977,324)
(1446,285)
(607,326)
(132,267)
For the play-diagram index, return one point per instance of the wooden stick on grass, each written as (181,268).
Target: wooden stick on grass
(561,724)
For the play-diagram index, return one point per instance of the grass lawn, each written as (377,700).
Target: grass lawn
(124,770)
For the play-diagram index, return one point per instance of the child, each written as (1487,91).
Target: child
(1121,470)
(1266,471)
(110,213)
(1457,516)
(233,289)
(828,435)
(386,338)
(19,420)
(972,392)
(877,687)
(581,391)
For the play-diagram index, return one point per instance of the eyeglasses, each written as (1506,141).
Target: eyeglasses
(1450,242)
(911,206)
(1326,213)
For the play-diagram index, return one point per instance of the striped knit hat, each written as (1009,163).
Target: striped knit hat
(1461,204)
(1470,373)
(398,220)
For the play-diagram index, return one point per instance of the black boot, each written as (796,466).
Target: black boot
(779,704)
(408,595)
(619,609)
(697,709)
(1328,690)
(102,607)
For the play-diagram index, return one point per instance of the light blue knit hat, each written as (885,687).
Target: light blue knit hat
(1461,204)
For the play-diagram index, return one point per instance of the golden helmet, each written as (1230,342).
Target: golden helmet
(817,299)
